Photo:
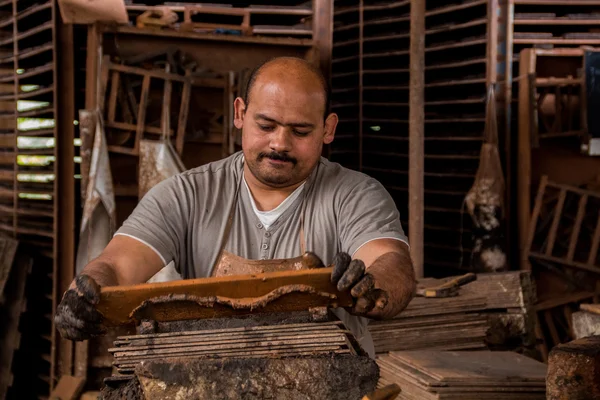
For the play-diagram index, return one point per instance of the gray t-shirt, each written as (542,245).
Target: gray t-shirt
(184,218)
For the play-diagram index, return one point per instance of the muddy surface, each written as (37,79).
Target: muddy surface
(243,321)
(332,377)
(123,390)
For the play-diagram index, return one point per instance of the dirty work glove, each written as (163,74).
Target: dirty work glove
(349,275)
(76,316)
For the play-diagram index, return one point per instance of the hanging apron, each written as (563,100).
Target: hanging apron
(228,264)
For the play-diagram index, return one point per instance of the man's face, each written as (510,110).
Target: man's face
(283,130)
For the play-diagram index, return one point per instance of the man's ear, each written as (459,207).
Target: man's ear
(330,125)
(240,108)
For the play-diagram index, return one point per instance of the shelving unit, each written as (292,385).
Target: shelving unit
(370,82)
(31,175)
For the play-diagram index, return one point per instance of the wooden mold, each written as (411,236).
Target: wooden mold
(221,297)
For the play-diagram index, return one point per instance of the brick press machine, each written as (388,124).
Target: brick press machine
(261,336)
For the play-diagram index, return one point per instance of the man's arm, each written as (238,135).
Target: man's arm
(388,260)
(125,261)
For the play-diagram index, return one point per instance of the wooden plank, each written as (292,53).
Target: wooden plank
(124,126)
(68,388)
(555,221)
(551,327)
(141,121)
(576,227)
(8,250)
(64,190)
(595,243)
(169,33)
(574,264)
(416,134)
(502,368)
(183,115)
(10,315)
(165,118)
(112,99)
(119,303)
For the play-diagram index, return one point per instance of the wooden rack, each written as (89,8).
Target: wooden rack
(370,82)
(37,173)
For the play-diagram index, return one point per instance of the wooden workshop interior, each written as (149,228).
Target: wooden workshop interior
(478,116)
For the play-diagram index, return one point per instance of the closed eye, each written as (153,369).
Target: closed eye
(266,128)
(301,133)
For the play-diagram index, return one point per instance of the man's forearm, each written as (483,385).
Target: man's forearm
(394,274)
(102,272)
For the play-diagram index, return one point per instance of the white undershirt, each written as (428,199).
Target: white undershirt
(267,218)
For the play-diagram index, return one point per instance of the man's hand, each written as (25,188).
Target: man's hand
(350,275)
(76,316)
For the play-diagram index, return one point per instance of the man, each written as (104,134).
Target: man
(276,199)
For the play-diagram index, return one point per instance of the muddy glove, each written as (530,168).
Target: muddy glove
(76,316)
(349,275)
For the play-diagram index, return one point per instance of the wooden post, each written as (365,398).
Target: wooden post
(416,135)
(65,179)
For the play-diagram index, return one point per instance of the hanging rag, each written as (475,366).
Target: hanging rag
(98,222)
(485,199)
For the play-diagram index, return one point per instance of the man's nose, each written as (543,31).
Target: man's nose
(280,140)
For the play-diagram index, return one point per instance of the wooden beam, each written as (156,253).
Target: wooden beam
(323,34)
(65,181)
(416,134)
(221,296)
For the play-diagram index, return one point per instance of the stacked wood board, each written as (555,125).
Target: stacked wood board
(286,340)
(478,375)
(489,311)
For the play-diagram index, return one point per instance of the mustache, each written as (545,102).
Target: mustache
(277,156)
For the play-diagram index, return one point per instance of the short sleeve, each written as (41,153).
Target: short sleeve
(160,220)
(367,212)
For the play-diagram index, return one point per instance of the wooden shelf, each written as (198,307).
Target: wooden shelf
(454,27)
(34,9)
(456,82)
(455,7)
(558,2)
(36,30)
(269,41)
(456,64)
(390,6)
(559,41)
(453,45)
(557,21)
(279,10)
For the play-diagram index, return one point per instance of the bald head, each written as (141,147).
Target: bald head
(294,72)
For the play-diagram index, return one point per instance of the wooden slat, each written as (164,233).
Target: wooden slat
(112,99)
(183,116)
(141,121)
(8,250)
(14,295)
(133,127)
(595,243)
(119,302)
(555,221)
(576,227)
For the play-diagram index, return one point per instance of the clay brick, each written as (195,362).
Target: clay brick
(574,370)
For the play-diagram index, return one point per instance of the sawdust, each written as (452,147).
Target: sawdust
(246,303)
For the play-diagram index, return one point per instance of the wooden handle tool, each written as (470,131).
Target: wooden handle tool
(448,289)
